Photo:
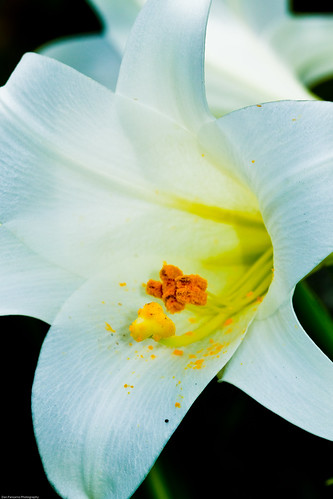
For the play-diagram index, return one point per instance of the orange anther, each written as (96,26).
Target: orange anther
(177,290)
(169,272)
(191,289)
(154,288)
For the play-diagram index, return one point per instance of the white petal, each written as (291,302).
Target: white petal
(80,182)
(279,366)
(30,285)
(118,17)
(92,55)
(241,67)
(50,143)
(259,14)
(103,407)
(284,152)
(164,60)
(306,45)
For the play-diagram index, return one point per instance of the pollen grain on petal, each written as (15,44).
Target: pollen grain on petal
(178,352)
(109,328)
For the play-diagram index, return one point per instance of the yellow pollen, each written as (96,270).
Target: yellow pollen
(178,352)
(177,404)
(152,322)
(199,362)
(109,328)
(122,284)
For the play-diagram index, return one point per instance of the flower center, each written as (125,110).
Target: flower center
(178,291)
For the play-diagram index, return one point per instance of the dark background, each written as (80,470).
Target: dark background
(228,445)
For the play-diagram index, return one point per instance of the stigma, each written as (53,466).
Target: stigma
(152,322)
(177,290)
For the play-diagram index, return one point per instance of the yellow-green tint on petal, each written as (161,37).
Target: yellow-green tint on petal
(222,312)
(218,214)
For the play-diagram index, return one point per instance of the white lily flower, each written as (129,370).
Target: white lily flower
(256,50)
(98,190)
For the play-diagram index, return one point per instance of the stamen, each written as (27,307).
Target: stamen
(191,289)
(152,322)
(177,289)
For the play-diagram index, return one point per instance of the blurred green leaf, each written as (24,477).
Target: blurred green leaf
(314,317)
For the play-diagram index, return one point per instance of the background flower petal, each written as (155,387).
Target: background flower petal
(163,66)
(284,370)
(118,18)
(259,14)
(103,405)
(241,67)
(283,151)
(92,55)
(305,42)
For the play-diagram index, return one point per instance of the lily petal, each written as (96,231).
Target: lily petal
(313,32)
(163,66)
(241,67)
(116,144)
(258,13)
(284,154)
(92,55)
(117,17)
(113,404)
(30,285)
(284,370)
